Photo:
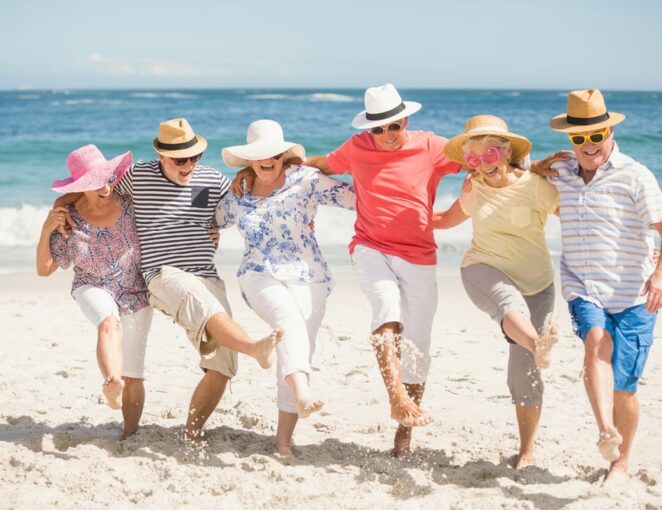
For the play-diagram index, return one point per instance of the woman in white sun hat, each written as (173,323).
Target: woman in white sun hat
(507,271)
(283,276)
(103,248)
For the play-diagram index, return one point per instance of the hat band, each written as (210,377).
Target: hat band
(176,146)
(581,121)
(385,115)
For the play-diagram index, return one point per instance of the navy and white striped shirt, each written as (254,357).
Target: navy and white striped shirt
(173,220)
(606,229)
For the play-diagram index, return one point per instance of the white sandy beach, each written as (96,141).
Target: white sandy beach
(60,447)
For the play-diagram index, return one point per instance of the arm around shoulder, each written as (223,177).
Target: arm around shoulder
(450,218)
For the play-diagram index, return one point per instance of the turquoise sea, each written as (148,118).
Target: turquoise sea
(38,128)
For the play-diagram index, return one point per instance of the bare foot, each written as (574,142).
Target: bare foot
(285,452)
(617,476)
(544,345)
(402,442)
(112,390)
(306,407)
(525,460)
(408,414)
(264,349)
(608,444)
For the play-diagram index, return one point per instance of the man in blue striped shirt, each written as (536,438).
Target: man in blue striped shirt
(610,207)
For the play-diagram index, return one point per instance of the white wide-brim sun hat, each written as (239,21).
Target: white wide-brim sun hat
(383,105)
(264,140)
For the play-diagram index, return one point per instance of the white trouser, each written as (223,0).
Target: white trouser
(400,291)
(97,305)
(297,309)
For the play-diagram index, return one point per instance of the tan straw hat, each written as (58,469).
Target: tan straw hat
(483,125)
(176,139)
(587,111)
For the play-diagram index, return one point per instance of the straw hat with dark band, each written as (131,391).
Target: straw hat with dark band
(587,111)
(484,125)
(176,139)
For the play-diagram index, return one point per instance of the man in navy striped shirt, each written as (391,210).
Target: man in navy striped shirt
(610,207)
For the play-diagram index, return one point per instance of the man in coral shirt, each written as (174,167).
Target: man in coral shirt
(395,173)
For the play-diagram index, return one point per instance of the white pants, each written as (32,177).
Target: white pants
(297,309)
(402,292)
(97,305)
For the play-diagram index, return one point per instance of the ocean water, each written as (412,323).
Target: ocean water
(39,128)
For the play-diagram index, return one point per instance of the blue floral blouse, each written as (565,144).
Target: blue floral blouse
(276,228)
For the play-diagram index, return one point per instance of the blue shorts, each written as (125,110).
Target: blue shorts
(631,331)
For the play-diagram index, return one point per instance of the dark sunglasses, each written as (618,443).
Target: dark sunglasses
(391,127)
(183,161)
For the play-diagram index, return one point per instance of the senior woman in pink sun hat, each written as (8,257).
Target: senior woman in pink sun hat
(283,276)
(103,248)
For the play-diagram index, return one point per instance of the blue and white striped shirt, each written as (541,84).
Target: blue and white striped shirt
(606,230)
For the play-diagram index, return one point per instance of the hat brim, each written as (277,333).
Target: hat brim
(560,123)
(194,150)
(521,146)
(361,122)
(240,156)
(96,178)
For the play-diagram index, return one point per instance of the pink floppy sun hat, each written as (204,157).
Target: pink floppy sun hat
(90,170)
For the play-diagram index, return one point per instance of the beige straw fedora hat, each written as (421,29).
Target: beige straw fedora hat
(483,125)
(264,140)
(587,111)
(176,139)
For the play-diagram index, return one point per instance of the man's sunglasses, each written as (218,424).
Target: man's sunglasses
(391,127)
(183,161)
(595,138)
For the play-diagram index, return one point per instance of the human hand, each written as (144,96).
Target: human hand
(214,235)
(437,217)
(543,166)
(58,219)
(245,176)
(653,290)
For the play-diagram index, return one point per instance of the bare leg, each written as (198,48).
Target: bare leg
(205,398)
(226,332)
(402,439)
(109,358)
(626,419)
(520,329)
(599,383)
(303,400)
(403,409)
(284,432)
(528,418)
(133,401)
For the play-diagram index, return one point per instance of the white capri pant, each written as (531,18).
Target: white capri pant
(297,309)
(97,305)
(400,291)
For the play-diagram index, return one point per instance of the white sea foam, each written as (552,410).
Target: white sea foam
(79,101)
(156,95)
(324,97)
(269,96)
(20,227)
(29,96)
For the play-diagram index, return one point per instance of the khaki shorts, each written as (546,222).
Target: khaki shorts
(191,301)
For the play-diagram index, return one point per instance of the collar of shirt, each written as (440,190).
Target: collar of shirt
(571,166)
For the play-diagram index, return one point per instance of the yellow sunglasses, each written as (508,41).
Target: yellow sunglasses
(595,138)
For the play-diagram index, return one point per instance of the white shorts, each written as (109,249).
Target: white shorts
(97,305)
(402,292)
(297,309)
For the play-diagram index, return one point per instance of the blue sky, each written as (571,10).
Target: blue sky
(557,44)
